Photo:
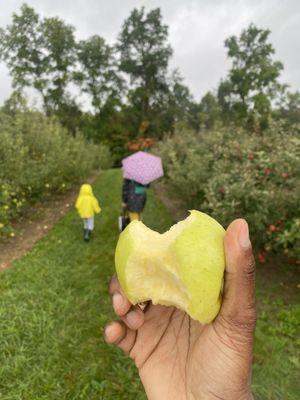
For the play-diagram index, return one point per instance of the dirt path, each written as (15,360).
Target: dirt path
(34,224)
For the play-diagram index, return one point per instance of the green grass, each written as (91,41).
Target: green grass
(276,368)
(54,304)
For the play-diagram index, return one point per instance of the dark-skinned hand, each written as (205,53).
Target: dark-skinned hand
(179,358)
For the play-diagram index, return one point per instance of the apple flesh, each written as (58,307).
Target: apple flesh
(182,267)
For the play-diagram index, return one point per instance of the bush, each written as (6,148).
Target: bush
(38,157)
(231,174)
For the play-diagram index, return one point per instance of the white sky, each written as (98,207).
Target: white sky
(197,30)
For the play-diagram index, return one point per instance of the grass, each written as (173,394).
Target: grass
(54,303)
(276,368)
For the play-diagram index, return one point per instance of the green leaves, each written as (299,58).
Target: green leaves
(144,57)
(20,46)
(39,53)
(97,72)
(143,48)
(252,82)
(231,174)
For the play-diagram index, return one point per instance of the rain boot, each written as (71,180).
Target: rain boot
(89,233)
(86,235)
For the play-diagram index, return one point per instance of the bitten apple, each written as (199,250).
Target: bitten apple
(183,267)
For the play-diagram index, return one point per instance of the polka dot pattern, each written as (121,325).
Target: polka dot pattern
(142,167)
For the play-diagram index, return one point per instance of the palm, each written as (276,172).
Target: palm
(180,359)
(182,350)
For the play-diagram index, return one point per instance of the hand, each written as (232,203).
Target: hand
(177,357)
(124,205)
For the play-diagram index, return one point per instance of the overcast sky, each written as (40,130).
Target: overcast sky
(197,30)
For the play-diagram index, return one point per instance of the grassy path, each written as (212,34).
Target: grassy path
(53,304)
(54,301)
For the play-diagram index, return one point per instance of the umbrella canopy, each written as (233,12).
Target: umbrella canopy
(142,167)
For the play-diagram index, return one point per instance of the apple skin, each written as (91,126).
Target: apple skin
(183,267)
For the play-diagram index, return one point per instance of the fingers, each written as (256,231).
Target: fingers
(238,305)
(133,316)
(119,334)
(123,333)
(115,332)
(121,304)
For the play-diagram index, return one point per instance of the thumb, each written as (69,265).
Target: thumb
(238,307)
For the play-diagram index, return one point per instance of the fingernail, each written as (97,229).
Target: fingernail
(132,317)
(117,300)
(107,330)
(244,235)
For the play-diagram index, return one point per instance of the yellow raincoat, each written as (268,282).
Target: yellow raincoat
(87,205)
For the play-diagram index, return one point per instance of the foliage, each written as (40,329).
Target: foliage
(141,144)
(110,127)
(252,82)
(180,105)
(97,74)
(59,46)
(128,86)
(144,56)
(42,53)
(231,174)
(37,157)
(20,45)
(39,54)
(209,111)
(289,238)
(289,109)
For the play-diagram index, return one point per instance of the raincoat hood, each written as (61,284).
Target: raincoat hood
(86,190)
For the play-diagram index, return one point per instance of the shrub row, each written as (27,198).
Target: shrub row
(231,174)
(38,157)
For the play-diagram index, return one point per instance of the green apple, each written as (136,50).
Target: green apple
(183,267)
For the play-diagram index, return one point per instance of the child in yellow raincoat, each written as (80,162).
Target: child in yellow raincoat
(87,206)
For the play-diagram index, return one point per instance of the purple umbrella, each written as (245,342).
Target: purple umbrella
(142,167)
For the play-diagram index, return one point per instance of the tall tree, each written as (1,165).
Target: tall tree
(252,82)
(97,72)
(21,46)
(39,53)
(181,104)
(15,104)
(144,56)
(59,49)
(290,108)
(209,110)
